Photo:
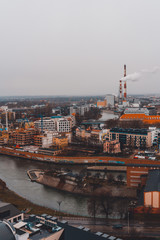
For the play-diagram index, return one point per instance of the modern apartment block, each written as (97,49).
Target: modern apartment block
(64,125)
(47,124)
(132,137)
(57,124)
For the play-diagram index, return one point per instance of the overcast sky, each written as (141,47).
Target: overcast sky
(78,47)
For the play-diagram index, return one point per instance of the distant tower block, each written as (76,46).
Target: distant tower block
(125,85)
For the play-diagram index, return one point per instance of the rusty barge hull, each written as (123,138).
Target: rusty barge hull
(70,186)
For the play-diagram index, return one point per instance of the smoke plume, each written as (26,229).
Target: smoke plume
(136,76)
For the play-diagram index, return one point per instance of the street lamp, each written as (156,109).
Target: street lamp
(59,203)
(131,205)
(128,222)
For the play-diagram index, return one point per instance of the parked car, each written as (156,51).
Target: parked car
(117,226)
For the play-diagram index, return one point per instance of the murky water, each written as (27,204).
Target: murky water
(14,172)
(106,116)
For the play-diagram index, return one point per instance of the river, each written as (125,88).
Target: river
(14,172)
(106,116)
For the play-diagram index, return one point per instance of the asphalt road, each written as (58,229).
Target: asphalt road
(136,228)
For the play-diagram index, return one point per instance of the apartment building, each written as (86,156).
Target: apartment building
(111,147)
(64,125)
(53,124)
(47,124)
(44,141)
(140,138)
(23,137)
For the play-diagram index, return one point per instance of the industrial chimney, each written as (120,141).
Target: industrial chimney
(125,85)
(120,90)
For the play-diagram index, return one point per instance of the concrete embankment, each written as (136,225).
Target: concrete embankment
(92,161)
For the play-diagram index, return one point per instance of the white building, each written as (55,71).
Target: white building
(110,100)
(135,110)
(154,133)
(64,125)
(58,124)
(47,124)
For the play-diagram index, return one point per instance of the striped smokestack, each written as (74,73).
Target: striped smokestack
(125,91)
(125,85)
(124,70)
(120,89)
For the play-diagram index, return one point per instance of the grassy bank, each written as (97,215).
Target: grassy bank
(22,204)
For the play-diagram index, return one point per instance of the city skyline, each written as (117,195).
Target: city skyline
(78,48)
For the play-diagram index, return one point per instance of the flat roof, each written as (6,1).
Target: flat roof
(3,204)
(19,225)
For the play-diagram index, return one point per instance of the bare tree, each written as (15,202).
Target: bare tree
(93,206)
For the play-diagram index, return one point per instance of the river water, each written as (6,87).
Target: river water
(14,172)
(106,116)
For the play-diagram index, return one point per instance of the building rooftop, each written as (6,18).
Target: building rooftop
(130,131)
(136,110)
(44,227)
(153,181)
(10,209)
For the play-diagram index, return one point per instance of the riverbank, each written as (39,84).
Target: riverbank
(6,195)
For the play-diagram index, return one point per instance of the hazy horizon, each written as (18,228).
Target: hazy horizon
(78,48)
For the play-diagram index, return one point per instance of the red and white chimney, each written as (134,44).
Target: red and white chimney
(125,85)
(120,89)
